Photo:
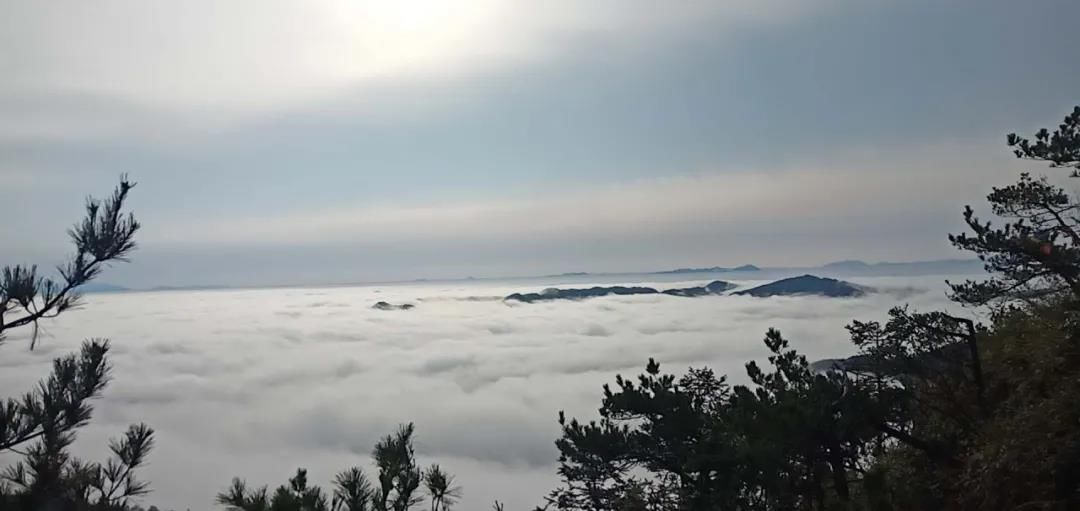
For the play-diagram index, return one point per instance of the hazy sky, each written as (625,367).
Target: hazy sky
(285,142)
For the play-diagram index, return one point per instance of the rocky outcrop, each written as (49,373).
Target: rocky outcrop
(385,306)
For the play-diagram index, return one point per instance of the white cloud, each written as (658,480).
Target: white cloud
(235,388)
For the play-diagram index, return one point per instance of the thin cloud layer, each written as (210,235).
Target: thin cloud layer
(298,143)
(764,198)
(787,215)
(236,388)
(257,55)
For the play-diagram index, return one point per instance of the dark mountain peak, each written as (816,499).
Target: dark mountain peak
(386,306)
(806,285)
(746,267)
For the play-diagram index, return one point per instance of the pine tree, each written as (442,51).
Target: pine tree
(40,425)
(936,411)
(1035,255)
(397,487)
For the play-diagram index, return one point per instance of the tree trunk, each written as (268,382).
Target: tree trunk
(839,475)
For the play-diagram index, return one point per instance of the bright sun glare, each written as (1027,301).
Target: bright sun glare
(407,35)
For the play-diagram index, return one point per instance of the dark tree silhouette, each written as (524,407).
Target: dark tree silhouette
(352,491)
(397,487)
(1035,255)
(441,488)
(936,411)
(1060,148)
(104,235)
(41,424)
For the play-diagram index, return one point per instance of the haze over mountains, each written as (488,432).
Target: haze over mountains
(714,269)
(845,268)
(853,266)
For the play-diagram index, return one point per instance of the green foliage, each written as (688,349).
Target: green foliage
(657,425)
(1061,148)
(399,476)
(238,498)
(397,487)
(788,442)
(985,417)
(352,491)
(104,235)
(40,426)
(441,488)
(934,412)
(297,495)
(1035,255)
(59,404)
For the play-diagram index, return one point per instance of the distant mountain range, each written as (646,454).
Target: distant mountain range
(105,287)
(838,268)
(101,287)
(849,266)
(938,266)
(714,269)
(716,287)
(804,285)
(187,288)
(941,266)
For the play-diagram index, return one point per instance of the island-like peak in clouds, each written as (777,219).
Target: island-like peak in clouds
(806,285)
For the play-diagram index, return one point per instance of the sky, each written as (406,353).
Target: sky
(284,142)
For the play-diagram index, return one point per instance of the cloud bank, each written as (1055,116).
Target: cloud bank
(257,382)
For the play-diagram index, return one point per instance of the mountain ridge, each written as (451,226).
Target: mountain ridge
(806,285)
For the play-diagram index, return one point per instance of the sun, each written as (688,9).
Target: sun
(414,17)
(407,35)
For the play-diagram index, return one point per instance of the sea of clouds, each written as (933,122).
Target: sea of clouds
(258,382)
